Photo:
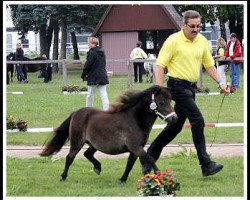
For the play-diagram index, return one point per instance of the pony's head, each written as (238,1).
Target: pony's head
(151,56)
(11,56)
(160,103)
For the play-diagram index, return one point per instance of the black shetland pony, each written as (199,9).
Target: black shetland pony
(10,67)
(124,127)
(43,67)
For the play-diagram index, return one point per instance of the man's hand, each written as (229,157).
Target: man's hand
(225,89)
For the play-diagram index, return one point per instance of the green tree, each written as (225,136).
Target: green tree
(34,18)
(233,14)
(44,19)
(84,18)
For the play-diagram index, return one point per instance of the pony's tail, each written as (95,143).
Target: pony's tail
(59,139)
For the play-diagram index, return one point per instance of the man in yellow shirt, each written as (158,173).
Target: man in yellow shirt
(182,54)
(138,53)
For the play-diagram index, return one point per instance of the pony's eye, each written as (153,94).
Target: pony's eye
(162,103)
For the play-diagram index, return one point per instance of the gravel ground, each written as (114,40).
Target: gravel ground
(216,150)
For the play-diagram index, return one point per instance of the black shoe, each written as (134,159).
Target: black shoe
(211,168)
(146,168)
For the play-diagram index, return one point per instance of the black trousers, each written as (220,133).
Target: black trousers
(138,65)
(183,93)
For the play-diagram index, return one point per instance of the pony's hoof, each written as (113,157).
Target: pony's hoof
(62,179)
(97,171)
(123,180)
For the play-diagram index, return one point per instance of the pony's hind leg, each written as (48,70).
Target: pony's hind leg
(130,163)
(69,159)
(89,154)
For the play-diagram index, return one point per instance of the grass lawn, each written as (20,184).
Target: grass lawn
(41,177)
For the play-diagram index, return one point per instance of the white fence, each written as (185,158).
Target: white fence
(64,62)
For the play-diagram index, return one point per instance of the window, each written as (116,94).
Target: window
(9,42)
(25,43)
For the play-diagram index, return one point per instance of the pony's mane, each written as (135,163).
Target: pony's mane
(125,101)
(131,97)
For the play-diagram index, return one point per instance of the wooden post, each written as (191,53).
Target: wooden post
(64,72)
(129,75)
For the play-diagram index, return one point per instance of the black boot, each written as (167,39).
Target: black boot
(211,168)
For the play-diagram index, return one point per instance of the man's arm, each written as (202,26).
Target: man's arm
(212,71)
(159,75)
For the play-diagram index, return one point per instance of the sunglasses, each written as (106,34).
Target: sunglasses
(194,26)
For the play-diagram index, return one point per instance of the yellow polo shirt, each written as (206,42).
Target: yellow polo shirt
(138,53)
(183,58)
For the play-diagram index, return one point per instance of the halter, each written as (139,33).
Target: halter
(153,107)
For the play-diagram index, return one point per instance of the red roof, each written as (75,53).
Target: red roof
(138,17)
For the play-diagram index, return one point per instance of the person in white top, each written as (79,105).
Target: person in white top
(138,53)
(221,64)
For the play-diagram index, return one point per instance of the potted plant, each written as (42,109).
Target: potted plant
(11,122)
(160,184)
(22,125)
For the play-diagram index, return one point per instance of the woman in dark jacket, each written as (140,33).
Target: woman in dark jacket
(19,67)
(94,72)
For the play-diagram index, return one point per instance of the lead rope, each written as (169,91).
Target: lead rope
(215,132)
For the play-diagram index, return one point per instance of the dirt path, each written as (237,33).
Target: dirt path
(217,150)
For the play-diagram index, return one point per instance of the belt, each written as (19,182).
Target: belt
(193,84)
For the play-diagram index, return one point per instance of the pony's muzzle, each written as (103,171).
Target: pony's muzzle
(171,117)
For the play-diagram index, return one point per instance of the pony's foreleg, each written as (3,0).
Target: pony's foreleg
(69,160)
(130,163)
(146,158)
(89,154)
(8,78)
(45,74)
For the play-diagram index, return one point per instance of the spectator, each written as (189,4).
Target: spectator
(20,67)
(183,53)
(138,53)
(234,51)
(94,72)
(221,64)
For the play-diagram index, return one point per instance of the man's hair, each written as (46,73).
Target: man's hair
(190,14)
(138,44)
(93,40)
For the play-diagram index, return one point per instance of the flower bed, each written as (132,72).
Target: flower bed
(20,124)
(160,184)
(74,89)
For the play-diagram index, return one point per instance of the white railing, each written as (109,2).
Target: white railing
(64,62)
